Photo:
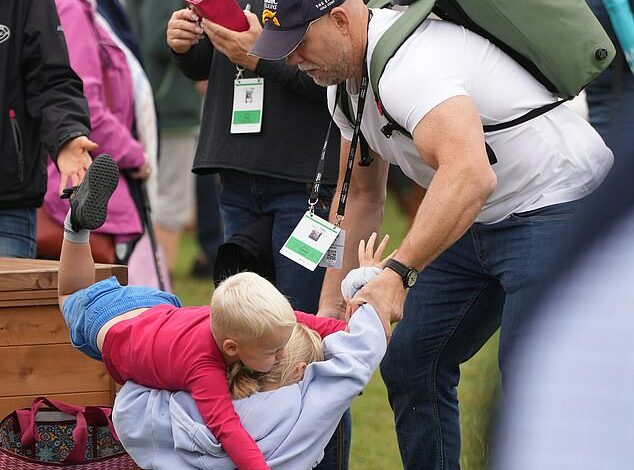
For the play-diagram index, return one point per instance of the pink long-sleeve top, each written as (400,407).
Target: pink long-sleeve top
(172,348)
(103,68)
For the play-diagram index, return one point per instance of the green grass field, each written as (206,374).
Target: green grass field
(373,439)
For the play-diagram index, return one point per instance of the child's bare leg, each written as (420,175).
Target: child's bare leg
(88,204)
(76,268)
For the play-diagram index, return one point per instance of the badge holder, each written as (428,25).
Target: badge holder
(248,104)
(315,241)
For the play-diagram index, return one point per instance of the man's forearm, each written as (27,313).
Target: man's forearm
(361,219)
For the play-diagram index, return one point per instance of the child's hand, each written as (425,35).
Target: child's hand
(369,257)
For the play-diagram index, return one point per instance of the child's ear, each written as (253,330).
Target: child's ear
(230,348)
(298,372)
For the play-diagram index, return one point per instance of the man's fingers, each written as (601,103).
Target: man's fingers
(185,34)
(185,14)
(218,31)
(252,19)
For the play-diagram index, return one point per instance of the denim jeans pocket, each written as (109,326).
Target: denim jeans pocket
(554,213)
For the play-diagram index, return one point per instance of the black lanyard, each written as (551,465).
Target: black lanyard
(341,209)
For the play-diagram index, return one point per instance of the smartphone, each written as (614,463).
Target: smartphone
(227,13)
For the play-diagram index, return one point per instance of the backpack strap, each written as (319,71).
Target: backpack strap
(394,38)
(379,3)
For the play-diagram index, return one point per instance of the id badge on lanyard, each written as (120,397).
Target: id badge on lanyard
(248,104)
(310,240)
(315,241)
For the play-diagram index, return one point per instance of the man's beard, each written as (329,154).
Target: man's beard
(336,73)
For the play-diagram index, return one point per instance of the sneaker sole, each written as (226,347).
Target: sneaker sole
(99,183)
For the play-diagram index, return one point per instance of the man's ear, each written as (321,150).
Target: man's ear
(230,348)
(341,18)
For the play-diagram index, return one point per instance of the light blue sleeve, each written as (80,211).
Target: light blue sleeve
(330,386)
(622,20)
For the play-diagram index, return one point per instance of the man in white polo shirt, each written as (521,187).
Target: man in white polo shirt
(486,228)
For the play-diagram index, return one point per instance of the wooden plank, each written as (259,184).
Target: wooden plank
(18,274)
(33,294)
(4,304)
(47,369)
(21,326)
(8,404)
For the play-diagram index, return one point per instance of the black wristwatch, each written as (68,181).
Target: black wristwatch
(408,274)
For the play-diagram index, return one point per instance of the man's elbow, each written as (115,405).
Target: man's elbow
(484,184)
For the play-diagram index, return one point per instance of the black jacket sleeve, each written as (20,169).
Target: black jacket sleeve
(196,62)
(290,77)
(54,92)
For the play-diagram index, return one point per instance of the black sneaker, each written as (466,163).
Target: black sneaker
(89,200)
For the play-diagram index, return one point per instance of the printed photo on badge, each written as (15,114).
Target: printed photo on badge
(315,234)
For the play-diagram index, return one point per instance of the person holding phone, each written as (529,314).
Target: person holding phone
(266,168)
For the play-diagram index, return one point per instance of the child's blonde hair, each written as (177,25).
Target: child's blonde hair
(247,307)
(304,345)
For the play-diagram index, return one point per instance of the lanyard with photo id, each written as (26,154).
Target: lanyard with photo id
(304,246)
(248,104)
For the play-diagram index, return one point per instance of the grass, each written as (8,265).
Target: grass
(373,439)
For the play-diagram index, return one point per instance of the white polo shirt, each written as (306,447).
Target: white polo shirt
(557,157)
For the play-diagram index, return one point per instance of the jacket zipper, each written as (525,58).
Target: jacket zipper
(17,140)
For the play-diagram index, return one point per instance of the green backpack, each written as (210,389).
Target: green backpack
(560,42)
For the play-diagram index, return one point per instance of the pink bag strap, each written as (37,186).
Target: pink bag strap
(30,435)
(103,414)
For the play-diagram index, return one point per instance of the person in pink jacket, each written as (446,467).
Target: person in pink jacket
(108,88)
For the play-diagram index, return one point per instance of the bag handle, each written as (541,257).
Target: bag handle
(30,435)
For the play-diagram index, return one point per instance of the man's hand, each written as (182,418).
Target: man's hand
(183,30)
(386,294)
(73,160)
(235,45)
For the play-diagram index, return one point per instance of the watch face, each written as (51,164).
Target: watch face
(412,275)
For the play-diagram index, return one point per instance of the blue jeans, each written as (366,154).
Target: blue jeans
(209,224)
(245,198)
(18,228)
(487,279)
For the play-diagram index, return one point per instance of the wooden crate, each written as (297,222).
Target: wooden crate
(36,357)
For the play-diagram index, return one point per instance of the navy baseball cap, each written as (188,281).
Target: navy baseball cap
(285,23)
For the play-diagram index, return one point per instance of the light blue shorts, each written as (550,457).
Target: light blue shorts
(87,310)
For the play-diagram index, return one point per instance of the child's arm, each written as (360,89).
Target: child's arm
(371,263)
(209,389)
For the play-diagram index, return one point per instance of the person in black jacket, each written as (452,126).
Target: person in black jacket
(43,112)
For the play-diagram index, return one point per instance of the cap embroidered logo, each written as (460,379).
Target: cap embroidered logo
(269,15)
(5,33)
